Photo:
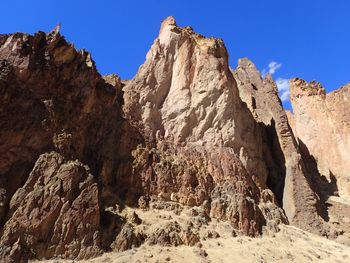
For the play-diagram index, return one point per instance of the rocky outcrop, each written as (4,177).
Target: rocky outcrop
(173,235)
(322,125)
(127,238)
(56,212)
(202,141)
(186,96)
(185,93)
(288,176)
(53,98)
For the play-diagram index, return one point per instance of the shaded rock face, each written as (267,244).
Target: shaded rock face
(53,98)
(77,148)
(321,124)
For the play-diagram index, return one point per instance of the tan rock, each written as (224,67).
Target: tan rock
(288,176)
(322,125)
(200,135)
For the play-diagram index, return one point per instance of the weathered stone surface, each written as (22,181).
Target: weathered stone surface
(288,176)
(52,98)
(55,213)
(200,136)
(322,126)
(185,93)
(173,235)
(127,238)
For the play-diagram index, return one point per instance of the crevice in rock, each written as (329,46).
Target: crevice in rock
(275,163)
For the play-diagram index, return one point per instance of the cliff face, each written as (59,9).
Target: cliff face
(321,123)
(54,100)
(185,95)
(78,150)
(288,174)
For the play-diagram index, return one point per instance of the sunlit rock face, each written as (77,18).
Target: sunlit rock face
(322,125)
(185,102)
(186,96)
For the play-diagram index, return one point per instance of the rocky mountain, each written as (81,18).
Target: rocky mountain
(81,153)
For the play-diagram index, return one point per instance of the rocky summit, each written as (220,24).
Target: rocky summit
(87,161)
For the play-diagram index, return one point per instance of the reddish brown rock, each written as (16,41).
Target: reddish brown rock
(53,98)
(127,238)
(55,214)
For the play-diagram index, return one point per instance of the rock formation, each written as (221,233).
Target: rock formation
(53,99)
(185,99)
(322,125)
(288,176)
(78,150)
(56,212)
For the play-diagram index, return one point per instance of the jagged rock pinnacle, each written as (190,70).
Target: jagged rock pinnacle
(56,30)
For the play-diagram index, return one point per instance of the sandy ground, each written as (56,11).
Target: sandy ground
(289,245)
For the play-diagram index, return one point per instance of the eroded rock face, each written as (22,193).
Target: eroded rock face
(127,238)
(288,177)
(322,125)
(186,94)
(173,235)
(202,141)
(53,98)
(55,213)
(193,176)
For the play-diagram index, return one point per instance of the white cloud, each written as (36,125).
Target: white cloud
(283,88)
(271,68)
(282,83)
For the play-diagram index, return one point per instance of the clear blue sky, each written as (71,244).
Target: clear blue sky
(309,38)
